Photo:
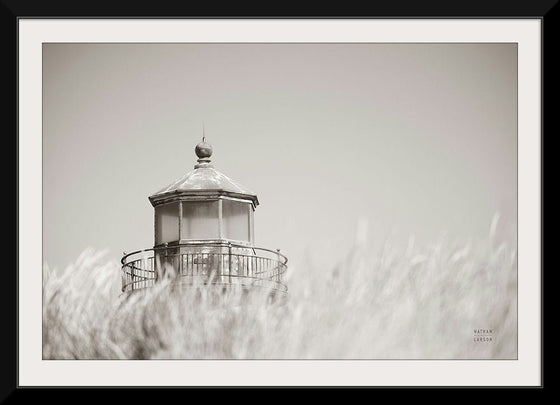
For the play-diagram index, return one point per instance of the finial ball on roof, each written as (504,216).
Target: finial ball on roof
(203,150)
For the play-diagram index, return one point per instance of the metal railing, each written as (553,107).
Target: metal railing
(205,263)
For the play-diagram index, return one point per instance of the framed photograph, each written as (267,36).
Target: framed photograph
(279,202)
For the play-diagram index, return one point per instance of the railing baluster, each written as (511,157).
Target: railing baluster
(180,259)
(229,257)
(132,275)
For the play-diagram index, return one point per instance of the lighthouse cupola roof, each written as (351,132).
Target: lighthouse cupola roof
(204,182)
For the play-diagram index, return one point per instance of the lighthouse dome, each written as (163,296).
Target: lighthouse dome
(203,181)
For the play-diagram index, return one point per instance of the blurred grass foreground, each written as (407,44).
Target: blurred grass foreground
(382,303)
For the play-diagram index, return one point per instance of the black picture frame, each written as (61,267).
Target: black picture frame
(12,10)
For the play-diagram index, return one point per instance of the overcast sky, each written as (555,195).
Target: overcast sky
(406,139)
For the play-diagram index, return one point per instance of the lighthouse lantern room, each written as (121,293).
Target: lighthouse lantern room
(204,205)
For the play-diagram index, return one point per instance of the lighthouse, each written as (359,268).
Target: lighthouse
(204,235)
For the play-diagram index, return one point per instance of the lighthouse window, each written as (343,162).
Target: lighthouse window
(167,223)
(235,216)
(200,220)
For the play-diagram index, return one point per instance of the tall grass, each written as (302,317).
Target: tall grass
(381,303)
